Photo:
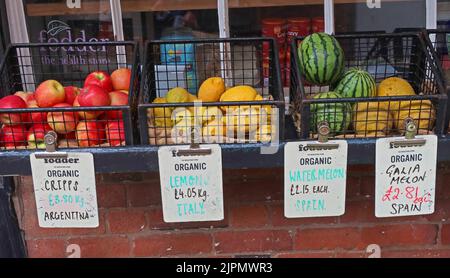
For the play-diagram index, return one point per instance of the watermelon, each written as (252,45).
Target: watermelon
(337,114)
(321,59)
(356,83)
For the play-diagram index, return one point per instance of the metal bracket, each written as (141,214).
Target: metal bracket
(194,149)
(410,136)
(51,141)
(323,130)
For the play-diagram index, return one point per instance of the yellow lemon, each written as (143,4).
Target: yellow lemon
(177,95)
(239,93)
(162,115)
(211,89)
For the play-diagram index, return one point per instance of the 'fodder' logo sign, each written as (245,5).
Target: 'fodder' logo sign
(60,32)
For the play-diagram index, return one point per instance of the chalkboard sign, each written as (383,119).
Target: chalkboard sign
(405,177)
(315,177)
(191,183)
(65,191)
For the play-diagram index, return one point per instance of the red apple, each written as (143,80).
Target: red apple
(121,79)
(36,135)
(13,136)
(90,133)
(10,118)
(92,96)
(101,79)
(115,133)
(71,93)
(49,93)
(26,96)
(37,117)
(62,122)
(117,99)
(70,135)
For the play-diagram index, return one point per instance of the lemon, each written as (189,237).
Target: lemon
(162,115)
(177,95)
(211,89)
(239,93)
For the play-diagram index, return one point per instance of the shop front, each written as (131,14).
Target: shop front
(225,141)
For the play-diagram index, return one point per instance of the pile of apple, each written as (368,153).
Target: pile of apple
(88,128)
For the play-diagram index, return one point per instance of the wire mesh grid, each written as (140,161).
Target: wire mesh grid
(250,111)
(26,66)
(440,42)
(406,56)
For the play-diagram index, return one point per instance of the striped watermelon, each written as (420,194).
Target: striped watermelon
(356,83)
(321,59)
(337,114)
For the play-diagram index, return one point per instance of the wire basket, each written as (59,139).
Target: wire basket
(404,55)
(440,40)
(28,65)
(187,64)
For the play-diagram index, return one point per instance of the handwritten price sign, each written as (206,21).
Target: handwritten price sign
(191,185)
(65,191)
(314,179)
(405,177)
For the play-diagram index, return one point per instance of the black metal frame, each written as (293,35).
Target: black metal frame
(12,244)
(437,56)
(129,113)
(148,93)
(303,104)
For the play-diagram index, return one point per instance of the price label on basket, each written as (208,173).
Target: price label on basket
(405,176)
(315,177)
(191,183)
(65,191)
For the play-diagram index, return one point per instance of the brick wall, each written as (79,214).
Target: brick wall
(131,223)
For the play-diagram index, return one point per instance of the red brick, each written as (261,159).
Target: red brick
(111,196)
(126,220)
(32,229)
(442,185)
(353,187)
(328,239)
(255,189)
(421,253)
(144,194)
(445,234)
(351,254)
(368,187)
(306,254)
(46,248)
(156,222)
(278,218)
(249,215)
(102,247)
(121,177)
(441,211)
(360,170)
(400,235)
(172,244)
(252,241)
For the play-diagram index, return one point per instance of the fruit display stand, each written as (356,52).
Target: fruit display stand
(67,88)
(223,90)
(409,85)
(439,41)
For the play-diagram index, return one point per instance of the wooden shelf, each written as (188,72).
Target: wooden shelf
(99,7)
